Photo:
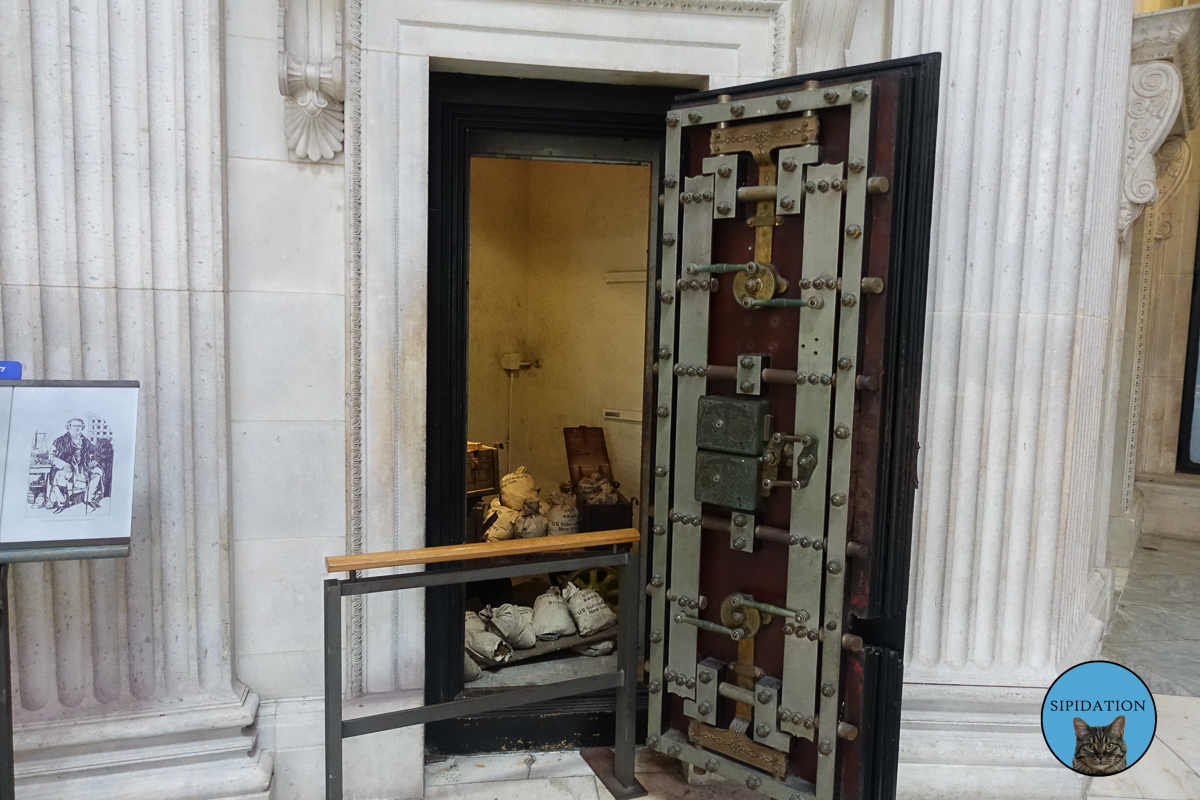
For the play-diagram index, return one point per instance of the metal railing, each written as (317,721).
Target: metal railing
(493,560)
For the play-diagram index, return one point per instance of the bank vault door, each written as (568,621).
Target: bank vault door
(790,306)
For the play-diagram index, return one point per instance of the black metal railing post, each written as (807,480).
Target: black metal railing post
(627,654)
(333,690)
(8,780)
(623,680)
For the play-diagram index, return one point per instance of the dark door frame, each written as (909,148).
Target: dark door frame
(458,105)
(1187,416)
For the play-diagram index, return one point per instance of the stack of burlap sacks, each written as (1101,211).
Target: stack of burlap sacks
(493,634)
(520,512)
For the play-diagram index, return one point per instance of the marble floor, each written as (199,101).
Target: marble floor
(1170,770)
(560,775)
(1155,630)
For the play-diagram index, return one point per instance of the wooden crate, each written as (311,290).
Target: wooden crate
(587,455)
(483,470)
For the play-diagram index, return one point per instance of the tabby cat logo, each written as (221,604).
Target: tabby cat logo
(1098,718)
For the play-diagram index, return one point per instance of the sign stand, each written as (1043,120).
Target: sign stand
(8,786)
(66,493)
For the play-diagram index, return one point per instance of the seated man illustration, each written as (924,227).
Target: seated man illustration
(75,471)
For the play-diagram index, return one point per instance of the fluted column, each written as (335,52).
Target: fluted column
(1024,275)
(111,267)
(1023,267)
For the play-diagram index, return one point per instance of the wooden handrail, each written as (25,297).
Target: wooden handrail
(468,552)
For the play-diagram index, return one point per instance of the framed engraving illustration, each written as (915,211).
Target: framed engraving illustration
(68,466)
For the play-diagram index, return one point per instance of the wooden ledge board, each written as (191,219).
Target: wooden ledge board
(468,552)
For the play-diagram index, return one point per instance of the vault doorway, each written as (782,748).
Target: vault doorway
(543,215)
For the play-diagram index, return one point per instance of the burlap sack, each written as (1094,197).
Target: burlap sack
(484,646)
(499,522)
(588,609)
(562,517)
(471,670)
(598,491)
(531,524)
(513,624)
(551,617)
(596,648)
(516,488)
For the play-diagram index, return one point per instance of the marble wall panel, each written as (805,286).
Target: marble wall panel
(253,105)
(288,358)
(285,233)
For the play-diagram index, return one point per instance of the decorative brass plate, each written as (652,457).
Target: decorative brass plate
(738,747)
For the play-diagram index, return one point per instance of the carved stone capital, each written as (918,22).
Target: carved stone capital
(1152,105)
(311,77)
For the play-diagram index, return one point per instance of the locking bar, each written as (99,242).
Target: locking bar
(769,533)
(774,302)
(749,602)
(749,268)
(782,377)
(736,693)
(755,194)
(733,633)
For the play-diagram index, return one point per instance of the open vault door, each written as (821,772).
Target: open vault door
(788,364)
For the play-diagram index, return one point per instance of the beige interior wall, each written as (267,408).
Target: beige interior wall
(499,258)
(544,235)
(1168,313)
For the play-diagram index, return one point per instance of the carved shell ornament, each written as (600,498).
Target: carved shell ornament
(313,85)
(313,118)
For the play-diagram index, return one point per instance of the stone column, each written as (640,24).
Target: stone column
(1024,265)
(111,267)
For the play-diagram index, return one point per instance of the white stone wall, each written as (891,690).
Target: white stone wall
(287,370)
(287,309)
